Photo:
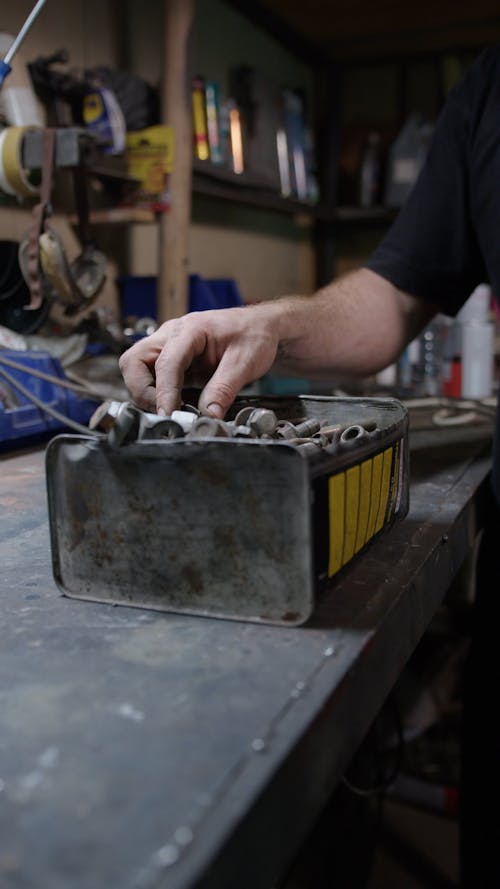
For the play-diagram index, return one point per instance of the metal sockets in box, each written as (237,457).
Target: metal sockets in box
(251,529)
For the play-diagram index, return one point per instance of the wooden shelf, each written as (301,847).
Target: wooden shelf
(118,216)
(372,216)
(222,184)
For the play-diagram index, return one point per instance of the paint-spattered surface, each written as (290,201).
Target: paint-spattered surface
(146,749)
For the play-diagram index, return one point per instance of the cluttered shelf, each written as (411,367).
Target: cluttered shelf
(223,184)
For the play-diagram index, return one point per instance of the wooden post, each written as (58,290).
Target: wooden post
(176,111)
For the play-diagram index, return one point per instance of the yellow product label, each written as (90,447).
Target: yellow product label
(395,482)
(351,512)
(360,501)
(150,156)
(385,486)
(375,495)
(365,489)
(93,108)
(336,498)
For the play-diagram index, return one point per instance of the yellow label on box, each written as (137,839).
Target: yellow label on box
(150,157)
(360,501)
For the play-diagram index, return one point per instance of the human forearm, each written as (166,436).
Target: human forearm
(355,326)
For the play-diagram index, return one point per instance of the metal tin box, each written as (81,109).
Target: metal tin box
(246,529)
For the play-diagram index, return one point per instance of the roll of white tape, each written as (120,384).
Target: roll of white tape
(12,162)
(4,183)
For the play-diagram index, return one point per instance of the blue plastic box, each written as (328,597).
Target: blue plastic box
(26,422)
(138,294)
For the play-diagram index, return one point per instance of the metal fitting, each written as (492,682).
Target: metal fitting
(352,436)
(163,427)
(308,427)
(209,427)
(262,421)
(105,415)
(286,430)
(243,415)
(126,425)
(331,433)
(242,432)
(310,448)
(184,418)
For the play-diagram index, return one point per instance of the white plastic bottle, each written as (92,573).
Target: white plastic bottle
(477,341)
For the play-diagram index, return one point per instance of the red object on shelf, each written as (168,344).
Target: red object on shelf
(452,385)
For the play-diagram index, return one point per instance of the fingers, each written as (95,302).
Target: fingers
(225,384)
(236,345)
(183,343)
(153,369)
(137,368)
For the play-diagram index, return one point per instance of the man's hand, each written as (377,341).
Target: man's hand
(355,326)
(228,347)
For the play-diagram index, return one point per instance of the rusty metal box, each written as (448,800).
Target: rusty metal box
(246,529)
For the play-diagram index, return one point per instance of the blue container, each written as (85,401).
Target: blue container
(25,421)
(138,294)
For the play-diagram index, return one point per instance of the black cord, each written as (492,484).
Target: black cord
(47,409)
(51,378)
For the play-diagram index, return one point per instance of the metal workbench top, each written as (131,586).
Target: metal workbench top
(141,750)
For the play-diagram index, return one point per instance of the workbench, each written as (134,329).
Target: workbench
(141,750)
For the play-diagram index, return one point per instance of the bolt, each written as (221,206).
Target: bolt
(242,432)
(184,418)
(332,433)
(208,427)
(262,421)
(164,427)
(105,415)
(243,415)
(308,427)
(284,429)
(126,425)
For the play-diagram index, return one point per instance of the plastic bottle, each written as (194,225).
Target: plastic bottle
(369,191)
(477,344)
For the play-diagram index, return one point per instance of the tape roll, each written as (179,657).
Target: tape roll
(4,184)
(11,161)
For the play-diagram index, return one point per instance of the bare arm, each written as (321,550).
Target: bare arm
(355,326)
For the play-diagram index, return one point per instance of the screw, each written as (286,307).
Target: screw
(308,427)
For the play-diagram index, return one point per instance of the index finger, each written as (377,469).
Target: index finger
(137,368)
(180,348)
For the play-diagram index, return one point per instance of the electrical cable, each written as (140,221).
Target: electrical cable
(46,408)
(51,378)
(451,412)
(481,405)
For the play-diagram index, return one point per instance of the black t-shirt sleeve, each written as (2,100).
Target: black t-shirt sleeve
(431,250)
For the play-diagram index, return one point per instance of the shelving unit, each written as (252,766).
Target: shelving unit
(307,35)
(225,185)
(201,178)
